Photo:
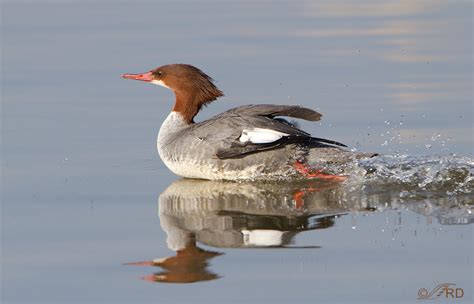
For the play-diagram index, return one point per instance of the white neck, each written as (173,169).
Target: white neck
(172,124)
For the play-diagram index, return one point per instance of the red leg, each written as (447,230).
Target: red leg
(306,171)
(298,199)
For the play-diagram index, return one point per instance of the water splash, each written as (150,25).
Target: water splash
(427,176)
(435,186)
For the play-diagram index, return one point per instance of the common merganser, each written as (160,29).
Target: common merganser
(247,142)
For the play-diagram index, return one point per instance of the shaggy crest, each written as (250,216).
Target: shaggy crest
(192,87)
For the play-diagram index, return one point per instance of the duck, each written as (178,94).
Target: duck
(250,142)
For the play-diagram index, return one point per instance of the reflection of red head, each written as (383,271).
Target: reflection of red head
(187,266)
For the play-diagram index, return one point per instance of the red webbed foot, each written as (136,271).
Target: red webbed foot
(308,172)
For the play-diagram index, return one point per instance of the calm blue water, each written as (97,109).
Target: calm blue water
(84,191)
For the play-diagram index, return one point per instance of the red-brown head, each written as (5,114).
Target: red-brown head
(192,87)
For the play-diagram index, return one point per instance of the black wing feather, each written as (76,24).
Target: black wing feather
(239,150)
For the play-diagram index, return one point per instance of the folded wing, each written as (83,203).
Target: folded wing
(254,128)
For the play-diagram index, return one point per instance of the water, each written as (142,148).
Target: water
(84,192)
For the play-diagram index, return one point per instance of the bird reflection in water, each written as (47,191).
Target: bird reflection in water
(270,215)
(233,215)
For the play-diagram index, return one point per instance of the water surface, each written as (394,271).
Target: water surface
(84,192)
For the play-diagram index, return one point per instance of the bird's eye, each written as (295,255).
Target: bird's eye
(159,73)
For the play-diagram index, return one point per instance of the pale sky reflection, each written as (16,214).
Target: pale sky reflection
(372,8)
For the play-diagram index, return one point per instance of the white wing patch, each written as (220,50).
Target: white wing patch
(263,237)
(260,136)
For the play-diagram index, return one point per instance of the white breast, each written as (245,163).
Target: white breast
(181,164)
